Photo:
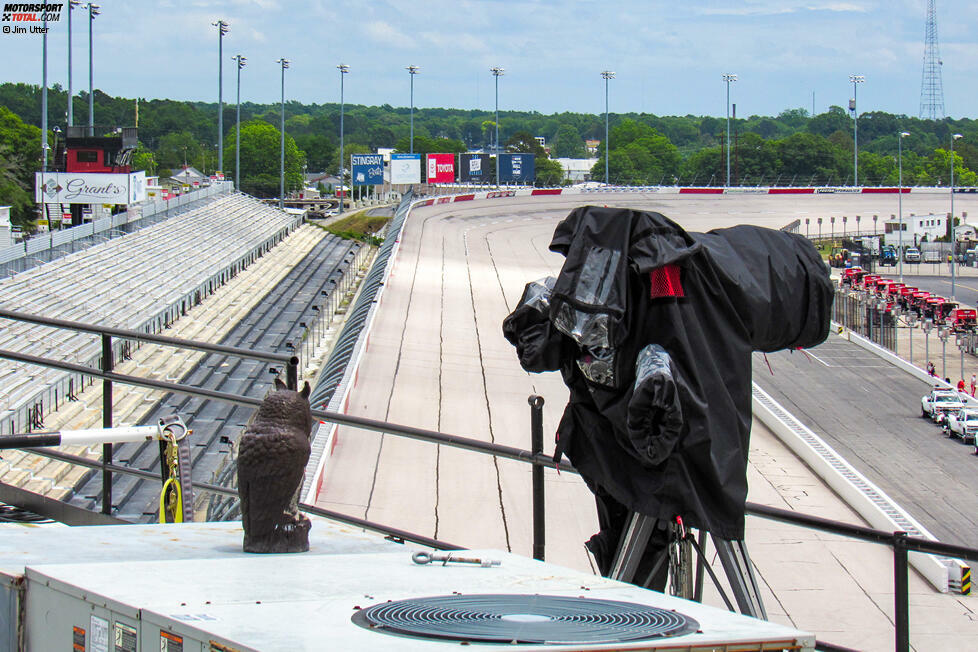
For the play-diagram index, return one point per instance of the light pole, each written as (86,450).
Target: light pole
(413,70)
(71,116)
(44,98)
(856,80)
(606,74)
(903,134)
(728,77)
(954,237)
(344,69)
(942,334)
(93,11)
(926,327)
(237,129)
(496,72)
(222,29)
(281,200)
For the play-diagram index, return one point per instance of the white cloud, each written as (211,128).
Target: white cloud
(386,34)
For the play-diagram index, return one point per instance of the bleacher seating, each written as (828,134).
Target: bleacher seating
(142,281)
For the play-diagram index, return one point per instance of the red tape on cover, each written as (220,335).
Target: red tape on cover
(665,282)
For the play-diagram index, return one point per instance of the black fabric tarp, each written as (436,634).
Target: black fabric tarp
(660,383)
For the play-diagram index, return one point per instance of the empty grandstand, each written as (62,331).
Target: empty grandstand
(143,281)
(277,323)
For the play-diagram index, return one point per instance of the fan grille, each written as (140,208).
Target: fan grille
(524,619)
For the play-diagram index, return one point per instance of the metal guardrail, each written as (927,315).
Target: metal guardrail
(899,541)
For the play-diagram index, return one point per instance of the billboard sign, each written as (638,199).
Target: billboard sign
(89,188)
(475,168)
(516,168)
(368,169)
(441,168)
(405,168)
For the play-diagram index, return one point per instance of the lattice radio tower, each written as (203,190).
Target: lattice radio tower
(931,86)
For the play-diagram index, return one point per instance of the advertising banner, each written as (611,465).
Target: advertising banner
(441,168)
(516,168)
(89,188)
(368,169)
(475,168)
(405,168)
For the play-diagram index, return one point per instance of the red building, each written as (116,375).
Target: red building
(110,152)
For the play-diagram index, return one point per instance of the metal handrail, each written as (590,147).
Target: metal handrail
(899,541)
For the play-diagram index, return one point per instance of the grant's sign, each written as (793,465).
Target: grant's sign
(91,188)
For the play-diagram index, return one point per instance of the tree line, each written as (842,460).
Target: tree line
(792,148)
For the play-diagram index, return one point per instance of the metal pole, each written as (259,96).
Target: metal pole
(343,68)
(954,238)
(855,79)
(901,592)
(607,74)
(71,117)
(412,70)
(539,503)
(237,130)
(44,97)
(900,197)
(728,77)
(106,423)
(93,11)
(944,357)
(281,202)
(497,71)
(222,29)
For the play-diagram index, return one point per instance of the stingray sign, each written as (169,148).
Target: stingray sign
(368,169)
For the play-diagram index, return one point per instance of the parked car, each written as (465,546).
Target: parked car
(939,402)
(911,255)
(963,424)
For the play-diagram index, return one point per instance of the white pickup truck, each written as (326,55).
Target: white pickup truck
(963,424)
(939,402)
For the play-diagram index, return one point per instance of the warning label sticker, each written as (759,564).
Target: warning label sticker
(125,637)
(77,639)
(170,642)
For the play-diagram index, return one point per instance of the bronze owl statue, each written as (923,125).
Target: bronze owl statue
(272,456)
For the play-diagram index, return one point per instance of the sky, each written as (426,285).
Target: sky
(668,56)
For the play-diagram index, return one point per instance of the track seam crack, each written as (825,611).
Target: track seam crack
(485,388)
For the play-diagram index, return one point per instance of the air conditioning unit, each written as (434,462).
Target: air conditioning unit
(352,591)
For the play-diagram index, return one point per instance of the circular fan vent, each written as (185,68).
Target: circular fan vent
(524,619)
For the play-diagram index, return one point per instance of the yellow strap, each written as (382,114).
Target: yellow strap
(178,511)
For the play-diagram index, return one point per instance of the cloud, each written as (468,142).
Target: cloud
(773,8)
(386,34)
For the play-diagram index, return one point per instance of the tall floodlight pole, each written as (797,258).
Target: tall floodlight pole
(44,96)
(413,70)
(903,134)
(728,77)
(93,11)
(606,75)
(496,72)
(222,29)
(344,70)
(954,237)
(237,129)
(281,199)
(71,115)
(856,80)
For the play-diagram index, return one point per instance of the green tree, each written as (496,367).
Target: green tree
(143,159)
(260,147)
(524,142)
(639,155)
(20,154)
(178,148)
(568,143)
(549,173)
